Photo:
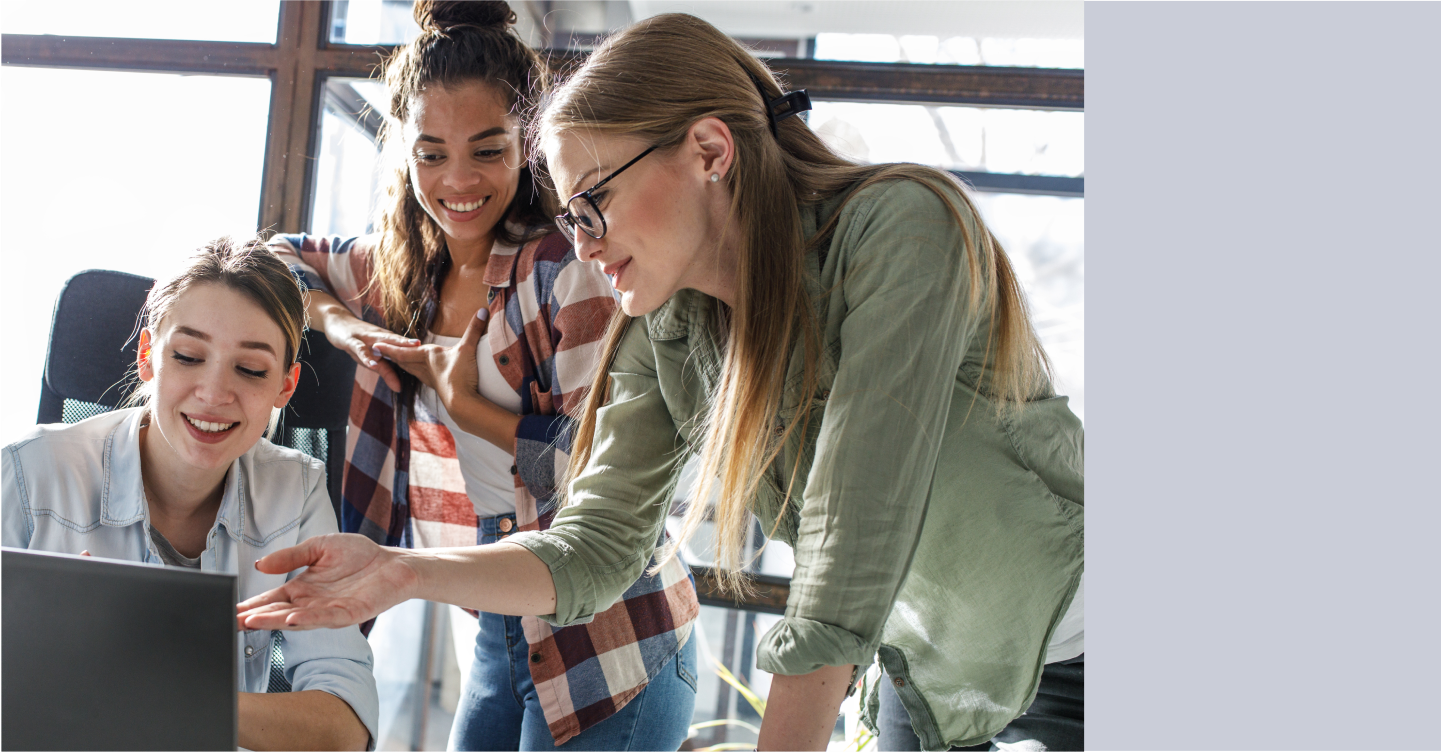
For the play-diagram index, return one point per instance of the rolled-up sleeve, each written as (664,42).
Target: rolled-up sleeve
(907,326)
(337,266)
(599,545)
(338,661)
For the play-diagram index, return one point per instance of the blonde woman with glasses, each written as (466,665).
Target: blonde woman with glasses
(847,350)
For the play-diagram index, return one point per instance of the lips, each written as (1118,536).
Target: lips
(614,271)
(463,209)
(208,429)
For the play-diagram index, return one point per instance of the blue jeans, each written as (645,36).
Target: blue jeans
(499,708)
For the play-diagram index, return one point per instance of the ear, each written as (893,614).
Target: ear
(292,380)
(143,365)
(711,139)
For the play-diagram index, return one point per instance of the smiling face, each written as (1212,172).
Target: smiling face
(465,158)
(215,367)
(662,215)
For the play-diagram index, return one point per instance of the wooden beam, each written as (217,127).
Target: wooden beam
(353,60)
(769,596)
(106,53)
(294,100)
(989,86)
(986,86)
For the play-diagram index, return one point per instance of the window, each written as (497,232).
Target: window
(94,181)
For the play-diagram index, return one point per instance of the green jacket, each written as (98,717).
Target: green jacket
(931,531)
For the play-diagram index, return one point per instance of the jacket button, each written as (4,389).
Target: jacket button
(900,682)
(249,651)
(825,394)
(535,658)
(506,525)
(504,360)
(514,470)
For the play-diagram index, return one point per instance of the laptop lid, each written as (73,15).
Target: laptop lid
(103,654)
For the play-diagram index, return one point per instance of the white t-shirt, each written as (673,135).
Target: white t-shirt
(484,466)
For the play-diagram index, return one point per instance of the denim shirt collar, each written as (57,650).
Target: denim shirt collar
(122,502)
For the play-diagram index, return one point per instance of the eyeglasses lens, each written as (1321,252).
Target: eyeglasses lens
(585,217)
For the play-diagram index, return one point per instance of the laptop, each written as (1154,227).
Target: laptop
(102,654)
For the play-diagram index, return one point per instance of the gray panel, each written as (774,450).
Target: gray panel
(101,654)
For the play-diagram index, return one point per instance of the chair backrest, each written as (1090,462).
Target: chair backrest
(93,337)
(91,345)
(314,421)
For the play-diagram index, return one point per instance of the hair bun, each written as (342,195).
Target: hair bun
(439,15)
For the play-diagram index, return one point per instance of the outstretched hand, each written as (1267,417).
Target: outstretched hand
(350,579)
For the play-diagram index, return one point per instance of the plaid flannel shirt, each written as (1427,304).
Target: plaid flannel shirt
(403,487)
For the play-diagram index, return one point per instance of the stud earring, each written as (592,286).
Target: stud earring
(715,177)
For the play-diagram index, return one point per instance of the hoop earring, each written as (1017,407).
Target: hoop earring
(715,177)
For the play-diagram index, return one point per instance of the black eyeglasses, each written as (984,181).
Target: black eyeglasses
(582,211)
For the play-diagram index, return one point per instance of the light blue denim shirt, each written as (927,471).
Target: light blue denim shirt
(71,488)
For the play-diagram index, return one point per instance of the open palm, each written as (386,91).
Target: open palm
(349,579)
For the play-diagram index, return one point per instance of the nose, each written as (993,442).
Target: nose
(587,248)
(460,174)
(215,389)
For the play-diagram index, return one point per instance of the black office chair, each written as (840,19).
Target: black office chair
(93,337)
(315,420)
(92,349)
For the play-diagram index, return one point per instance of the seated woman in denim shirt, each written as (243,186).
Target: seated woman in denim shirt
(185,479)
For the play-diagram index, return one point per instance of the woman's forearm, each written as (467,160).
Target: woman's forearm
(311,719)
(499,579)
(479,416)
(322,308)
(801,710)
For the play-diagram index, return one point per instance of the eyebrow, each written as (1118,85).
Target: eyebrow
(202,336)
(487,133)
(581,180)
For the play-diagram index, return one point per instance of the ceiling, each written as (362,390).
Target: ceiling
(1007,19)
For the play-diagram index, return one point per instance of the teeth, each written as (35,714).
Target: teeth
(472,206)
(209,427)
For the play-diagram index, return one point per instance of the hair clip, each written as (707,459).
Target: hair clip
(781,107)
(793,103)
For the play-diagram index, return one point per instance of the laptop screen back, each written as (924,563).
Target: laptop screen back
(102,654)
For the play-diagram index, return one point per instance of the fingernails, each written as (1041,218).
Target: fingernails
(483,314)
(413,341)
(376,350)
(370,363)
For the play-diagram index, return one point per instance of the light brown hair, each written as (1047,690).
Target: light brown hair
(245,266)
(653,81)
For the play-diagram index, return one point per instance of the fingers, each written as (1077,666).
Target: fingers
(388,375)
(404,355)
(289,559)
(265,599)
(265,605)
(475,330)
(269,617)
(288,616)
(86,552)
(393,339)
(358,350)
